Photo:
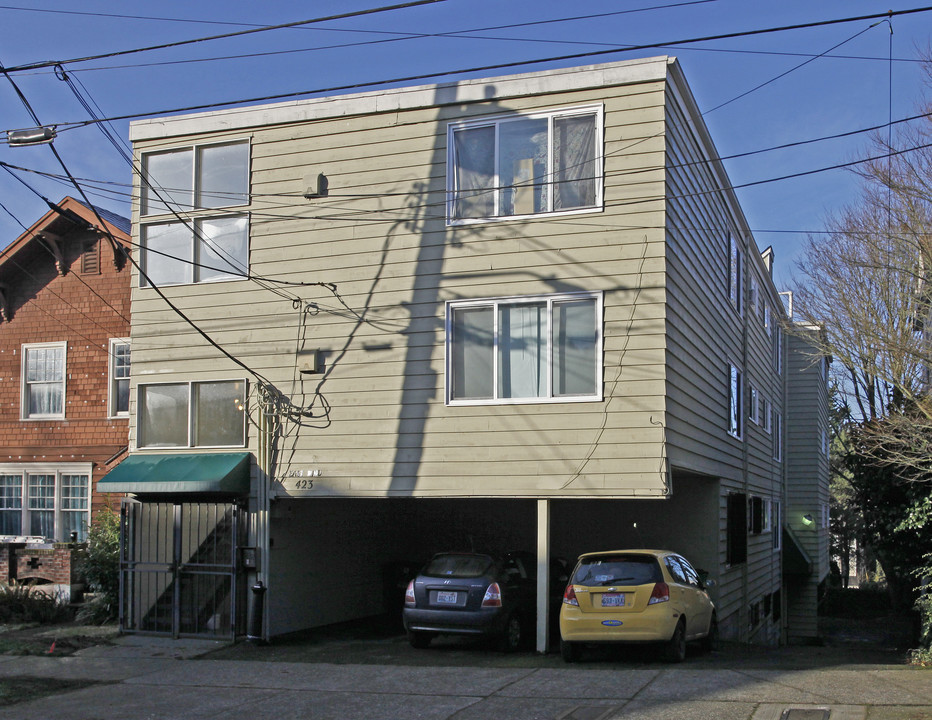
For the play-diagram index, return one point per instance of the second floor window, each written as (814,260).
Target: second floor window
(192,414)
(525,165)
(43,381)
(119,378)
(735,410)
(203,250)
(525,350)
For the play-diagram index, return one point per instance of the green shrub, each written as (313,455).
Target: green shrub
(100,566)
(28,604)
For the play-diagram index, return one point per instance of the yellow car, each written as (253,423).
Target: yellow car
(636,596)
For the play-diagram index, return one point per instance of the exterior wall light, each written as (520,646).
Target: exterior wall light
(30,136)
(807,519)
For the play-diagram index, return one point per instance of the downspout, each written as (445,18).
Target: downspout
(745,460)
(261,524)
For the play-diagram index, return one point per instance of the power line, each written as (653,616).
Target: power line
(239,33)
(501,66)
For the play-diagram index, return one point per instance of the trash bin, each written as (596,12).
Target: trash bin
(256,607)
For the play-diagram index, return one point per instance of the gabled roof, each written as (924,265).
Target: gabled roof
(66,217)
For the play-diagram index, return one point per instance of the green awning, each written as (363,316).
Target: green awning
(226,473)
(796,560)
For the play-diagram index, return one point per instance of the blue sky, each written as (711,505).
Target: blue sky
(794,90)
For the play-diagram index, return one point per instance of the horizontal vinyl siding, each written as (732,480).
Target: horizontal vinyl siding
(380,237)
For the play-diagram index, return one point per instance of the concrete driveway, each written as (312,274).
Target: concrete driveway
(353,673)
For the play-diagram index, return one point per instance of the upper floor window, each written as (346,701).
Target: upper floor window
(178,249)
(203,250)
(754,405)
(736,409)
(192,414)
(735,273)
(198,177)
(43,392)
(118,395)
(524,165)
(777,436)
(537,349)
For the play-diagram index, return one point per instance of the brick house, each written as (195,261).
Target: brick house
(64,359)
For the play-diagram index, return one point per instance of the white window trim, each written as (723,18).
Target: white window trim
(754,400)
(778,437)
(495,120)
(767,407)
(111,380)
(24,470)
(190,434)
(736,293)
(598,296)
(191,224)
(736,394)
(194,147)
(23,395)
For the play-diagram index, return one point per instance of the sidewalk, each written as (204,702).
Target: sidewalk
(148,678)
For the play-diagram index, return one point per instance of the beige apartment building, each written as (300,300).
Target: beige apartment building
(522,312)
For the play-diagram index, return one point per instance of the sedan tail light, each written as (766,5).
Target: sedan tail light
(493,596)
(409,595)
(569,597)
(661,593)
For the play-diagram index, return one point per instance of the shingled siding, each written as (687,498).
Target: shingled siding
(381,238)
(85,310)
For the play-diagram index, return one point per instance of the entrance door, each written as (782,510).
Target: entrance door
(178,570)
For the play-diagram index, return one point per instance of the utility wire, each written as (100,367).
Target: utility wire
(239,33)
(499,66)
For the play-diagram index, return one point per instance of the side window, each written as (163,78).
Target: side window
(119,360)
(735,273)
(43,374)
(689,571)
(737,529)
(673,565)
(736,397)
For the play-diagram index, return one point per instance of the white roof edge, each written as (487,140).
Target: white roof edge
(405,98)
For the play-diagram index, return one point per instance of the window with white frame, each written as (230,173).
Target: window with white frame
(754,300)
(525,164)
(43,374)
(118,393)
(754,405)
(45,501)
(735,392)
(192,414)
(778,351)
(767,416)
(210,245)
(530,349)
(735,273)
(767,516)
(768,320)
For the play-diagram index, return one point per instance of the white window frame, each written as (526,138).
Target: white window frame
(25,470)
(768,516)
(24,385)
(777,524)
(736,273)
(494,304)
(735,401)
(497,121)
(767,416)
(140,389)
(754,405)
(754,301)
(195,149)
(113,379)
(778,350)
(192,217)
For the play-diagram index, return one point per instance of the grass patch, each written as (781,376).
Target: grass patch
(21,689)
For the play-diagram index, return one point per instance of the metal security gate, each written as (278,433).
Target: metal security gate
(178,568)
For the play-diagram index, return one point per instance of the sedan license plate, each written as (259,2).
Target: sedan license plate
(613,600)
(446,598)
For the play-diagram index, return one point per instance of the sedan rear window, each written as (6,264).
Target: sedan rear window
(617,570)
(458,566)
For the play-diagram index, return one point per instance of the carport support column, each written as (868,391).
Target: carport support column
(543,573)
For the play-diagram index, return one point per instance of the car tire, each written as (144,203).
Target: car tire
(513,635)
(569,651)
(419,640)
(710,641)
(676,646)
